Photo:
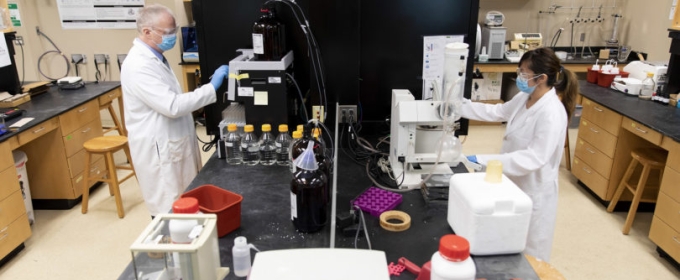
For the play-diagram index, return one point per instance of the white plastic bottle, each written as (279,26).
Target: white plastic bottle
(179,234)
(647,86)
(233,145)
(250,146)
(452,261)
(241,255)
(267,146)
(282,145)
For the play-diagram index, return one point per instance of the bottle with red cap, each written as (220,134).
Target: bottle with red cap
(179,233)
(452,261)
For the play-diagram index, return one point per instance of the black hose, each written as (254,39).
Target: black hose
(57,51)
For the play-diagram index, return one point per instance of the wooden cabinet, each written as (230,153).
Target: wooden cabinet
(14,225)
(665,231)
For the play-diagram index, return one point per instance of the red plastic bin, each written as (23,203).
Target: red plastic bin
(591,77)
(223,203)
(606,80)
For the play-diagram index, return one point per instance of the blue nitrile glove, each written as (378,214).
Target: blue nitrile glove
(219,76)
(472,159)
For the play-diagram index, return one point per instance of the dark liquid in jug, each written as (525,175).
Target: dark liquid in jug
(309,200)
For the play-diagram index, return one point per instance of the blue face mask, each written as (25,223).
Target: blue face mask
(168,42)
(523,85)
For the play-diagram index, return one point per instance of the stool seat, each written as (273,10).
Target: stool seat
(105,143)
(650,159)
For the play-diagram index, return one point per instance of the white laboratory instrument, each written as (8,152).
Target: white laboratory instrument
(494,18)
(490,211)
(155,257)
(493,38)
(320,263)
(528,41)
(639,69)
(630,86)
(422,131)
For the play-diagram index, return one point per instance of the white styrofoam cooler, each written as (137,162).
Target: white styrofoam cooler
(494,218)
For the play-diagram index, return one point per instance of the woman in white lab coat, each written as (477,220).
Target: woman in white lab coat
(158,117)
(534,138)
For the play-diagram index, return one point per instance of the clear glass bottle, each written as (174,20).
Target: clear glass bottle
(283,142)
(647,89)
(267,146)
(250,146)
(232,143)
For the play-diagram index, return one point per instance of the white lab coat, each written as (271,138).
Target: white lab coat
(531,155)
(161,131)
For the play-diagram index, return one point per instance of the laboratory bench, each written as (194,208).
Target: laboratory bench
(265,219)
(578,65)
(53,140)
(612,124)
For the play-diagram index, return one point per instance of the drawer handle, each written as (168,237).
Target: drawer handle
(586,170)
(590,151)
(598,109)
(5,233)
(594,130)
(676,239)
(39,130)
(87,130)
(641,130)
(82,110)
(94,169)
(111,96)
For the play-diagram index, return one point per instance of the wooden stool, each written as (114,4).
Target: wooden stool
(650,159)
(567,151)
(118,124)
(106,145)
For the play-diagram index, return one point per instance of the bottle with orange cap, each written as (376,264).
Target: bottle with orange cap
(232,145)
(267,146)
(180,234)
(452,261)
(282,145)
(250,146)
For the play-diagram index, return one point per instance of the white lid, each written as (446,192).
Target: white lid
(614,70)
(456,46)
(485,198)
(19,157)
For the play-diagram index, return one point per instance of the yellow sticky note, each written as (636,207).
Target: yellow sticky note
(261,98)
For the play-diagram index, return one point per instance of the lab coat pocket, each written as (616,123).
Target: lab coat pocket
(177,148)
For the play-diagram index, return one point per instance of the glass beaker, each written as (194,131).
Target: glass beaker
(624,51)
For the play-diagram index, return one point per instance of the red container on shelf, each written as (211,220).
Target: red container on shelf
(606,80)
(591,77)
(223,203)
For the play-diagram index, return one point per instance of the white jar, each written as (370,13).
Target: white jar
(452,261)
(179,234)
(241,256)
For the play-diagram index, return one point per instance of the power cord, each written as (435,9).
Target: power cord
(57,51)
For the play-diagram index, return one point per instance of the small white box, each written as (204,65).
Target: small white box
(494,218)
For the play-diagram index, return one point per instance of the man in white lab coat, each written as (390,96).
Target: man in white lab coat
(534,138)
(161,131)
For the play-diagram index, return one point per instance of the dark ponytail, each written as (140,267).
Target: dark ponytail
(544,61)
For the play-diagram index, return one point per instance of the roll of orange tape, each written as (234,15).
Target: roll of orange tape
(395,215)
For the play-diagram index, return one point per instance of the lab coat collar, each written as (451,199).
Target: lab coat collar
(148,51)
(537,106)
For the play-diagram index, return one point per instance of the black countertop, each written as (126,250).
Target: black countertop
(662,118)
(55,102)
(265,219)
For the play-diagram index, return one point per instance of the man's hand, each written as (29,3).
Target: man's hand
(219,76)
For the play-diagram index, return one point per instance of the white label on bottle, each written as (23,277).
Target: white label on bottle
(293,206)
(245,91)
(196,231)
(245,146)
(258,44)
(278,145)
(229,144)
(274,80)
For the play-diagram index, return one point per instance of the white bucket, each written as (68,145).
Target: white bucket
(20,160)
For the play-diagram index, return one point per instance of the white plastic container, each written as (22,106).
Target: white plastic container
(492,215)
(180,231)
(452,261)
(20,160)
(241,256)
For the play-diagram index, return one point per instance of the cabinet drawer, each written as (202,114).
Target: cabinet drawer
(73,142)
(76,163)
(602,116)
(14,234)
(593,157)
(109,96)
(597,137)
(670,183)
(673,149)
(37,131)
(6,159)
(97,168)
(9,180)
(588,176)
(11,208)
(668,210)
(78,117)
(665,237)
(643,131)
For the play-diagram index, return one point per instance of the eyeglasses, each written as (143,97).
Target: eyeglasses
(524,75)
(167,31)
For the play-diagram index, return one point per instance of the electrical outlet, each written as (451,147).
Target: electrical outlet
(318,113)
(344,113)
(78,58)
(19,41)
(101,58)
(121,58)
(583,37)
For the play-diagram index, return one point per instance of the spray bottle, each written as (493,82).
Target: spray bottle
(241,255)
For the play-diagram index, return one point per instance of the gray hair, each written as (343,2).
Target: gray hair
(148,16)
